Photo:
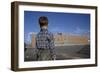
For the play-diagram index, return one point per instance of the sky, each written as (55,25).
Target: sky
(74,23)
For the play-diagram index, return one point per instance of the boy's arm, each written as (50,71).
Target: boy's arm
(52,46)
(36,42)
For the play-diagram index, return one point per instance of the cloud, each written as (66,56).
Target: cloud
(79,30)
(27,37)
(30,33)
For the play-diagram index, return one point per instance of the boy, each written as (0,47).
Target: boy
(44,41)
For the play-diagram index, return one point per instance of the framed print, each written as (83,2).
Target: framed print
(52,36)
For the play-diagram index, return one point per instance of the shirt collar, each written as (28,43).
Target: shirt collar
(43,29)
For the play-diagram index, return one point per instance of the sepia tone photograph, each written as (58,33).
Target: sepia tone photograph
(56,36)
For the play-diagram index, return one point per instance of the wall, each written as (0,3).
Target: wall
(5,34)
(64,40)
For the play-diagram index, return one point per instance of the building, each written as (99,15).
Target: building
(62,39)
(33,42)
(67,39)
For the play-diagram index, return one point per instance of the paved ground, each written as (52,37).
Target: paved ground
(63,52)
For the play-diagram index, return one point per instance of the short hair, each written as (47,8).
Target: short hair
(43,21)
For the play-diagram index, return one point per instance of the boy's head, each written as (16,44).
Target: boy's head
(43,21)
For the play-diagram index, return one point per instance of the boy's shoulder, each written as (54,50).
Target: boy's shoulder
(47,33)
(50,33)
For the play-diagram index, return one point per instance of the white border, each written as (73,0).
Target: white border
(33,64)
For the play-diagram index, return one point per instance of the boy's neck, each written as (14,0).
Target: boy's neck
(44,27)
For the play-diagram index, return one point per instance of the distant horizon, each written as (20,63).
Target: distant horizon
(56,34)
(63,33)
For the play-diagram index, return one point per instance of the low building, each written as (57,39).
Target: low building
(65,39)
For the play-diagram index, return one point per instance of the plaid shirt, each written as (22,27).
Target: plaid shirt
(44,40)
